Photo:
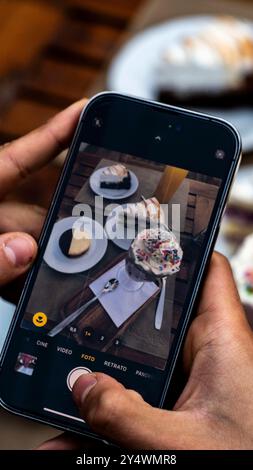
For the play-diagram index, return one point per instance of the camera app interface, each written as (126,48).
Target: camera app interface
(115,274)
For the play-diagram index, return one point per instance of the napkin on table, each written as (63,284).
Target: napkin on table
(120,304)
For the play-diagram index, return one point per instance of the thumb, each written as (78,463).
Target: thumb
(17,252)
(121,415)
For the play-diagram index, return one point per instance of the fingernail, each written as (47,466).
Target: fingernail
(19,251)
(83,386)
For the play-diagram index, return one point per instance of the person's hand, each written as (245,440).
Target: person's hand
(20,162)
(214,411)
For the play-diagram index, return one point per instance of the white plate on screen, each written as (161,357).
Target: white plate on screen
(57,260)
(112,193)
(110,227)
(133,70)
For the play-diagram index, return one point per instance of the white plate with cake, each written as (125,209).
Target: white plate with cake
(76,244)
(114,182)
(200,62)
(127,220)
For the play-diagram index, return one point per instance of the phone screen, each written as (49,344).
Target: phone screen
(114,279)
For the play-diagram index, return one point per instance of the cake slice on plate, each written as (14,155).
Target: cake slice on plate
(75,242)
(115,177)
(145,212)
(212,66)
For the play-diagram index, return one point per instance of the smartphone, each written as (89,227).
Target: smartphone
(121,257)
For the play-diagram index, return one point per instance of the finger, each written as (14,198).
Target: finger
(31,152)
(122,416)
(17,252)
(220,315)
(62,442)
(220,296)
(46,179)
(16,216)
(69,442)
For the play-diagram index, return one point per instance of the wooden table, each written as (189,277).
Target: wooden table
(51,52)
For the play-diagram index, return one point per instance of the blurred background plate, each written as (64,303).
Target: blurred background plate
(242,190)
(135,67)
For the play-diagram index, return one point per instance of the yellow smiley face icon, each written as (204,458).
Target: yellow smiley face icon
(39,319)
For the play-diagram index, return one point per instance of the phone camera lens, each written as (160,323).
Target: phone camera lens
(176,127)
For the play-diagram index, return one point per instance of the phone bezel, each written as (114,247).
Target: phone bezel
(44,236)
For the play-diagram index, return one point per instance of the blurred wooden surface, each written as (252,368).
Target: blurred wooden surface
(50,54)
(24,29)
(54,52)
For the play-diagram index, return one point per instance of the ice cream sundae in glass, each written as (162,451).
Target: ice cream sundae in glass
(154,254)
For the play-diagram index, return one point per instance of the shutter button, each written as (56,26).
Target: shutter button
(74,374)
